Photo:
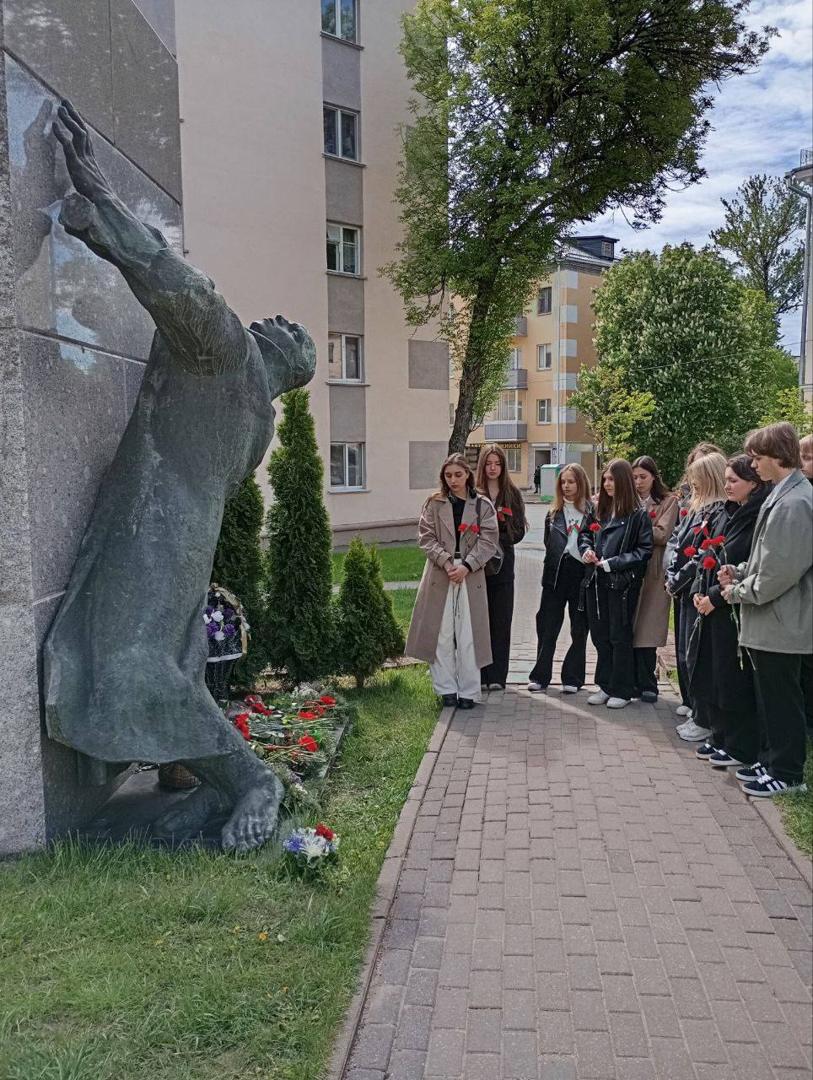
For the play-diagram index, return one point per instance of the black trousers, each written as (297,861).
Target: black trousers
(683,674)
(611,615)
(549,621)
(500,613)
(807,691)
(737,731)
(780,701)
(646,665)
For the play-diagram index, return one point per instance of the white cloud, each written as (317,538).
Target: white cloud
(760,122)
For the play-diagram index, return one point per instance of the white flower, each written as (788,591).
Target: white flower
(206,619)
(220,636)
(313,848)
(217,616)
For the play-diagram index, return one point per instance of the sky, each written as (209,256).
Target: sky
(760,122)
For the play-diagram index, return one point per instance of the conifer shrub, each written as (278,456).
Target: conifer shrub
(367,629)
(238,566)
(299,623)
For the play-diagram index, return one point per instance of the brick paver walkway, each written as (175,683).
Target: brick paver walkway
(581,898)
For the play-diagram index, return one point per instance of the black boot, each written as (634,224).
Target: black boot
(450,701)
(465,703)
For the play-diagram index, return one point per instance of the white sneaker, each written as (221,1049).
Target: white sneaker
(536,688)
(693,732)
(683,710)
(599,698)
(570,689)
(685,725)
(618,703)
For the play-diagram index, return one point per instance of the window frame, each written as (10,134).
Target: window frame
(547,292)
(509,450)
(337,19)
(362,454)
(338,113)
(515,358)
(539,403)
(494,416)
(342,341)
(548,355)
(341,242)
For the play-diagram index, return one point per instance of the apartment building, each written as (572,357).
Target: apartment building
(290,143)
(532,420)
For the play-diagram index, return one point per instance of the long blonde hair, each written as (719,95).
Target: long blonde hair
(707,478)
(582,499)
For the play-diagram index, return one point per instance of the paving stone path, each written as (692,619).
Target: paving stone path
(581,899)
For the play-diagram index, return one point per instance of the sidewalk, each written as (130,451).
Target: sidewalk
(581,898)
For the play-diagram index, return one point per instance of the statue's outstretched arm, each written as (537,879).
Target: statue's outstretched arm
(205,335)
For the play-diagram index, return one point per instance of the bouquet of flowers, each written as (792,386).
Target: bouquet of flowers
(227,637)
(311,850)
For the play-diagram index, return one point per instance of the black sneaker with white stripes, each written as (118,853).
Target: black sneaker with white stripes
(721,760)
(751,772)
(704,751)
(765,787)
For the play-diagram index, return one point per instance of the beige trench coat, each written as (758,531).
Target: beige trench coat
(652,617)
(436,538)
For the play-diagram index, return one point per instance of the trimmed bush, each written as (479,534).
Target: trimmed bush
(238,566)
(299,625)
(367,630)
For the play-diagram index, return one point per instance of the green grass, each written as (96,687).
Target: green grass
(127,962)
(403,601)
(398,563)
(797,810)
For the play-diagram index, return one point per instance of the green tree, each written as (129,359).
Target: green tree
(761,233)
(367,630)
(679,327)
(238,566)
(612,410)
(531,116)
(299,623)
(789,406)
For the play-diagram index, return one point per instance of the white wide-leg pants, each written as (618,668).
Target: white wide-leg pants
(454,669)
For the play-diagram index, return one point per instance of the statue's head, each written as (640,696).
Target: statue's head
(288,352)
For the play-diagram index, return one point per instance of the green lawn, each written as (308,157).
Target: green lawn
(398,563)
(127,962)
(403,601)
(797,810)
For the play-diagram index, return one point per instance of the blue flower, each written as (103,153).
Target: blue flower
(293,844)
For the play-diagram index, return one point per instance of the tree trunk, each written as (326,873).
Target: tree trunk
(469,373)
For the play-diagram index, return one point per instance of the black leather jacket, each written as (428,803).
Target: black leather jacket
(626,543)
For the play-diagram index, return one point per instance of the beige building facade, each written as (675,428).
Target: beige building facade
(532,419)
(290,115)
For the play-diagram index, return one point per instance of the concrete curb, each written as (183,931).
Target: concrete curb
(386,888)
(772,816)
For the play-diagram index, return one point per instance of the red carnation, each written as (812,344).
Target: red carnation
(306,714)
(307,742)
(697,530)
(717,541)
(506,510)
(327,700)
(462,527)
(241,723)
(690,551)
(707,543)
(252,699)
(709,562)
(653,514)
(474,528)
(595,527)
(324,831)
(684,512)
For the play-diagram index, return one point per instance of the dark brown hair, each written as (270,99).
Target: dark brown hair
(701,450)
(777,441)
(659,489)
(625,499)
(508,494)
(741,465)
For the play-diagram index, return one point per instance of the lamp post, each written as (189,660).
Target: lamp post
(800,181)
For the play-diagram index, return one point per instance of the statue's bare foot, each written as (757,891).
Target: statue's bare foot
(255,816)
(190,815)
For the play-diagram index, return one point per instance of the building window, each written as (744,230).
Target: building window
(606,249)
(543,411)
(347,465)
(339,18)
(515,359)
(544,357)
(544,301)
(343,254)
(513,456)
(508,407)
(344,363)
(451,414)
(341,132)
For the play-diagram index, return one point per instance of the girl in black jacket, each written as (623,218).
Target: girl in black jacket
(617,547)
(562,578)
(720,679)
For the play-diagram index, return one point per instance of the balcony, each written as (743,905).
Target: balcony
(506,431)
(516,379)
(521,326)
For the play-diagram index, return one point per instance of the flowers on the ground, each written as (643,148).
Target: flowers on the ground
(226,626)
(241,722)
(307,742)
(312,849)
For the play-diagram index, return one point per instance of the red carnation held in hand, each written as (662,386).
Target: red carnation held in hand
(707,543)
(690,551)
(595,527)
(684,512)
(474,528)
(653,514)
(709,562)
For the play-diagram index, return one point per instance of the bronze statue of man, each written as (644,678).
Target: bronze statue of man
(126,655)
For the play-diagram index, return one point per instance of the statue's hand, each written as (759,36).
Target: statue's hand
(87,177)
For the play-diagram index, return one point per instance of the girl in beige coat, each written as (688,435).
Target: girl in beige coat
(458,533)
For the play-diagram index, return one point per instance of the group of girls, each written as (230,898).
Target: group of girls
(740,581)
